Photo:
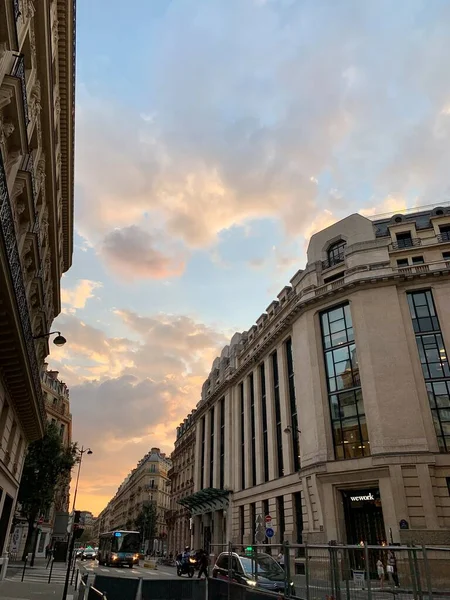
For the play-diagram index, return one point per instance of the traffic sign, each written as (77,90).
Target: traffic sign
(268,518)
(270,532)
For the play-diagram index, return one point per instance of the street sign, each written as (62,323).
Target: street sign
(268,518)
(270,532)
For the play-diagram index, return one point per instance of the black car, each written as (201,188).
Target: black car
(257,570)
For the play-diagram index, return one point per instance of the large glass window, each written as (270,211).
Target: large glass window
(434,361)
(222,444)
(348,418)
(202,470)
(242,523)
(211,449)
(281,518)
(293,405)
(276,397)
(242,407)
(252,426)
(262,376)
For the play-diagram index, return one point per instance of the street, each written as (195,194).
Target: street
(162,572)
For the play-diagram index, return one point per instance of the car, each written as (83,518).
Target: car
(257,570)
(89,554)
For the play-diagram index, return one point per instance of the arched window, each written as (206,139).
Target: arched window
(336,253)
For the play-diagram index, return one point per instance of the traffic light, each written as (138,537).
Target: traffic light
(77,516)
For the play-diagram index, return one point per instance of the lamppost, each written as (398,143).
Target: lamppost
(81,452)
(59,340)
(295,432)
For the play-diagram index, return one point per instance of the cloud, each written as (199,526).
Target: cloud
(133,253)
(77,297)
(129,393)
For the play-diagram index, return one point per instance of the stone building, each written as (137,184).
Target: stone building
(332,413)
(37,77)
(181,477)
(148,482)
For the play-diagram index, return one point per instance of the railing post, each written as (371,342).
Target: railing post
(412,572)
(369,584)
(426,565)
(24,566)
(307,571)
(417,574)
(287,570)
(51,571)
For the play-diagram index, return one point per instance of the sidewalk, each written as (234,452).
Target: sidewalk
(34,585)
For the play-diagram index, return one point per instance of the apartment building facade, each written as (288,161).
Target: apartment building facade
(181,476)
(36,215)
(148,482)
(331,415)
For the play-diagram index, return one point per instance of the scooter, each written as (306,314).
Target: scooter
(186,567)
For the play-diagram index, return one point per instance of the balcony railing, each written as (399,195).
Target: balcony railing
(408,243)
(332,262)
(19,71)
(444,237)
(9,235)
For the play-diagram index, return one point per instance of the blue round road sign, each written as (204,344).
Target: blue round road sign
(270,532)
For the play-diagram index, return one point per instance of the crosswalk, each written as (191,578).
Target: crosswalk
(39,574)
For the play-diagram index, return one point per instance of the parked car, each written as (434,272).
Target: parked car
(258,570)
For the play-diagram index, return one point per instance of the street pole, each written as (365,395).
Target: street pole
(78,478)
(69,562)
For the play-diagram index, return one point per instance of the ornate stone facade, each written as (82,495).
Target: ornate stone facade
(36,155)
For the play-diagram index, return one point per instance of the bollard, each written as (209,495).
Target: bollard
(76,579)
(51,571)
(24,566)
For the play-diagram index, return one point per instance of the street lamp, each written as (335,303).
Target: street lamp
(59,340)
(290,429)
(81,452)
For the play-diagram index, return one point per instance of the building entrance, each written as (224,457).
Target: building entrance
(364,517)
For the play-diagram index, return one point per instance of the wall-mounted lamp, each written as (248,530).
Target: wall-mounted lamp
(58,341)
(290,429)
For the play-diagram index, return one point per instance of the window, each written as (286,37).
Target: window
(242,406)
(298,517)
(446,255)
(404,239)
(222,444)
(336,253)
(3,419)
(202,470)
(335,277)
(211,449)
(276,394)
(447,479)
(344,386)
(61,431)
(434,361)
(444,233)
(293,405)
(262,376)
(253,521)
(242,523)
(281,518)
(402,262)
(252,426)
(417,260)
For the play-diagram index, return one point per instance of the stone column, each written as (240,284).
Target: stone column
(230,434)
(198,456)
(248,434)
(216,449)
(236,465)
(206,467)
(286,438)
(259,449)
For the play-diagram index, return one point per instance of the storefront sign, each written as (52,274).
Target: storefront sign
(404,524)
(363,498)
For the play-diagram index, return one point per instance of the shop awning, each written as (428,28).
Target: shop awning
(207,500)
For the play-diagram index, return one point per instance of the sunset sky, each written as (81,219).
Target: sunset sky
(213,137)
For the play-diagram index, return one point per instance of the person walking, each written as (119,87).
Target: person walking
(392,568)
(380,571)
(203,563)
(280,559)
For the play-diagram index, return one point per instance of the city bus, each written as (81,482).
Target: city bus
(119,548)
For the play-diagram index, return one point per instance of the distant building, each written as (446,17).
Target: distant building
(37,108)
(331,415)
(148,482)
(181,477)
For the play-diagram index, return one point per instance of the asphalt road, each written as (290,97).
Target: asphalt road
(162,572)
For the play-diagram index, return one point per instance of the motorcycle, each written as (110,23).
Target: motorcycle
(185,567)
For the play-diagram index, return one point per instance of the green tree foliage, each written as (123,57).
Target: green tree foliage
(47,462)
(146,520)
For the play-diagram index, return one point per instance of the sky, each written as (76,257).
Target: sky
(213,138)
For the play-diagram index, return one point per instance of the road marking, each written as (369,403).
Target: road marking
(166,573)
(105,570)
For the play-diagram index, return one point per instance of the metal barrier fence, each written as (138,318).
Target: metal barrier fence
(337,572)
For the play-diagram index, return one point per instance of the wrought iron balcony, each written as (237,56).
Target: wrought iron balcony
(331,262)
(8,232)
(407,243)
(16,7)
(19,71)
(444,237)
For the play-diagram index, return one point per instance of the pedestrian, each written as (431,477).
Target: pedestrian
(280,559)
(203,565)
(392,568)
(47,550)
(380,571)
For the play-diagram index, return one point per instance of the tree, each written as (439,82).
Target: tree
(146,520)
(47,463)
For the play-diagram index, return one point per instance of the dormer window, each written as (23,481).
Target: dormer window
(336,253)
